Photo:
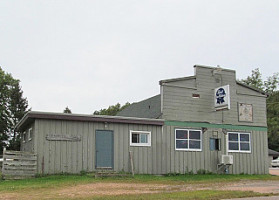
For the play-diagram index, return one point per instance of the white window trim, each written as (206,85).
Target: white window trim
(29,135)
(141,144)
(188,140)
(239,151)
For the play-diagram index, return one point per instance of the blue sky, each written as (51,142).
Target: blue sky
(91,54)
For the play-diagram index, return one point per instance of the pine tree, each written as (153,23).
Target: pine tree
(13,106)
(67,110)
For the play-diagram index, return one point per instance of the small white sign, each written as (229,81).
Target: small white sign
(222,97)
(245,112)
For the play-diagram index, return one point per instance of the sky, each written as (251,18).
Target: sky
(88,55)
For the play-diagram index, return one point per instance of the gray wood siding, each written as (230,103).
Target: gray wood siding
(189,83)
(255,162)
(178,104)
(28,145)
(75,156)
(160,158)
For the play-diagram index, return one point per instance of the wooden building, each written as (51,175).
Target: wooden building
(208,121)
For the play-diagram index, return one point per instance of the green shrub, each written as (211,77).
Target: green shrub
(203,171)
(83,172)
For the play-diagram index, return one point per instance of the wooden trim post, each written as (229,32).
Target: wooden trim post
(132,163)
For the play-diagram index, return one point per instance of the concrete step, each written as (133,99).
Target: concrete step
(109,173)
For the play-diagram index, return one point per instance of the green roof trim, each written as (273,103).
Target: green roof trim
(208,125)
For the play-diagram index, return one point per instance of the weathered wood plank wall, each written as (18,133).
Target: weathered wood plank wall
(57,156)
(160,158)
(19,164)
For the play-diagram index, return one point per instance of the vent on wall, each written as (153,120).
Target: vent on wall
(196,96)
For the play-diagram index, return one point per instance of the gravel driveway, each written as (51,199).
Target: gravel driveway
(274,171)
(262,187)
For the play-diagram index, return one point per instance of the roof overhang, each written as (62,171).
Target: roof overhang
(252,88)
(161,82)
(31,116)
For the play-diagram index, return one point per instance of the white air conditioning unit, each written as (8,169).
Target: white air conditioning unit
(227,160)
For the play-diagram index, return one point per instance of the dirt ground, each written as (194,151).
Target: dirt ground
(102,189)
(255,186)
(126,188)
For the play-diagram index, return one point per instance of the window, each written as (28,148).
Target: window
(187,139)
(30,134)
(215,144)
(140,138)
(239,142)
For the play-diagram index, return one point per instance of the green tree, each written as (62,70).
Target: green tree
(111,110)
(256,81)
(67,110)
(273,120)
(271,83)
(13,106)
(269,86)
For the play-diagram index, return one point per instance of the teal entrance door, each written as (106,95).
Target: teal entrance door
(104,149)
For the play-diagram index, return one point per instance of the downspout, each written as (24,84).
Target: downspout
(226,140)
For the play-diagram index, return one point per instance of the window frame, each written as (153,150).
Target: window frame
(239,142)
(23,137)
(148,144)
(188,149)
(29,134)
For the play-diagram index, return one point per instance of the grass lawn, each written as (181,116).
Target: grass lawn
(153,187)
(70,180)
